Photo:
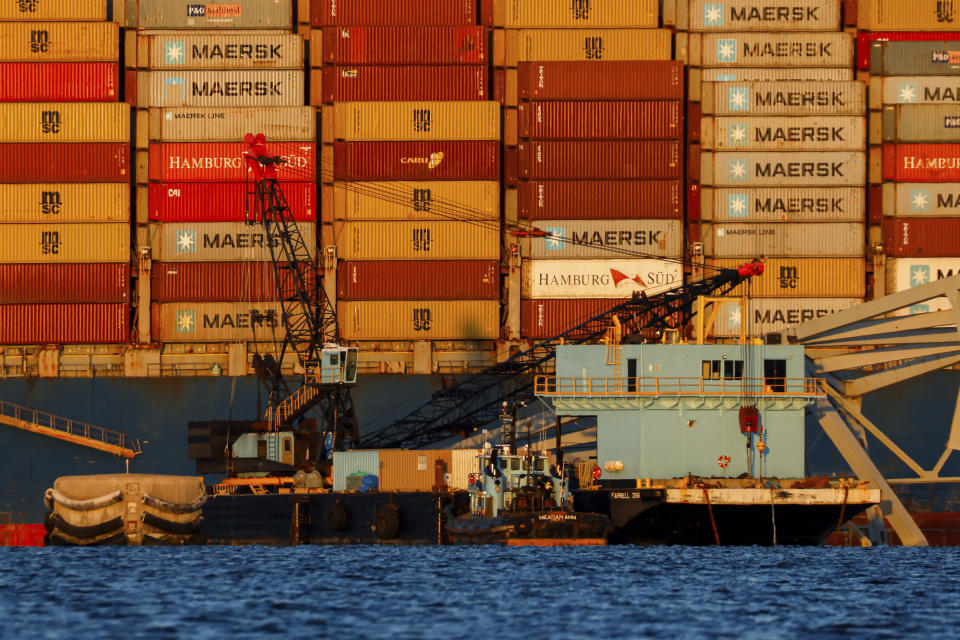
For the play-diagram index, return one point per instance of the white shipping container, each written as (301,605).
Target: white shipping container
(606,238)
(773,74)
(921,199)
(618,278)
(904,273)
(354,463)
(914,90)
(228,124)
(786,168)
(219,241)
(783,49)
(767,315)
(749,15)
(217,322)
(463,463)
(829,204)
(788,133)
(783,239)
(226,88)
(180,50)
(783,98)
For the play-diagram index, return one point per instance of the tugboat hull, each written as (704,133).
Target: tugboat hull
(541,529)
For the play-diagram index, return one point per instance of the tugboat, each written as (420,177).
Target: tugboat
(520,499)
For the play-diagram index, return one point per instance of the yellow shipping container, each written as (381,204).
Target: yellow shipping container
(224,124)
(413,470)
(511,46)
(59,203)
(421,240)
(59,41)
(52,243)
(419,320)
(900,15)
(389,121)
(803,277)
(49,10)
(438,200)
(65,122)
(563,13)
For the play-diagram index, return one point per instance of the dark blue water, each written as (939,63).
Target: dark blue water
(354,593)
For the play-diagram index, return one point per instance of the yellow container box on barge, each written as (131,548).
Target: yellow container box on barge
(802,277)
(419,320)
(53,243)
(421,240)
(65,122)
(65,202)
(596,13)
(904,15)
(59,41)
(511,46)
(395,121)
(56,10)
(438,200)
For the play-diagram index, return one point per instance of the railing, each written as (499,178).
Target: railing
(73,428)
(657,386)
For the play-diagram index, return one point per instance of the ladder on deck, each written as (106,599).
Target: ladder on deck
(87,435)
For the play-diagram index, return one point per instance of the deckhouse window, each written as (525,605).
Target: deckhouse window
(711,369)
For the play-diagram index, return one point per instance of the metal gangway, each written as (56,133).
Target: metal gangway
(87,435)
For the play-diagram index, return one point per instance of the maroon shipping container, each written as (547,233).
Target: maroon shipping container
(874,204)
(213,282)
(600,199)
(867,38)
(419,280)
(694,116)
(614,80)
(547,318)
(405,45)
(353,84)
(59,81)
(221,201)
(393,12)
(216,161)
(693,162)
(64,283)
(64,323)
(921,162)
(921,237)
(609,120)
(368,161)
(65,162)
(656,159)
(693,202)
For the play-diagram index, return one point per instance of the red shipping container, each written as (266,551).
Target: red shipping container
(405,45)
(213,282)
(64,283)
(354,84)
(609,120)
(874,204)
(499,86)
(693,163)
(867,38)
(419,280)
(693,202)
(614,80)
(600,199)
(392,12)
(65,162)
(921,162)
(215,161)
(547,318)
(921,237)
(64,323)
(367,161)
(608,159)
(694,115)
(221,201)
(59,81)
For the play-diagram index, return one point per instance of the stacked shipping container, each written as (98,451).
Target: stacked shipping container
(64,186)
(782,167)
(411,169)
(914,124)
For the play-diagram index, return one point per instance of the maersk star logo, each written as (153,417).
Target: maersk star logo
(555,242)
(919,274)
(173,52)
(713,14)
(737,205)
(738,169)
(186,241)
(734,316)
(919,308)
(186,321)
(919,200)
(907,92)
(739,99)
(726,50)
(737,134)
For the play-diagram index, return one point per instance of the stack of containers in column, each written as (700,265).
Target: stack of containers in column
(64,181)
(197,95)
(593,169)
(915,142)
(783,165)
(411,168)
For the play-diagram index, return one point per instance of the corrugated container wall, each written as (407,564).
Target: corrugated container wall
(413,470)
(601,120)
(904,273)
(239,14)
(228,123)
(419,320)
(803,277)
(422,240)
(419,280)
(463,463)
(929,57)
(218,242)
(46,11)
(84,242)
(921,199)
(597,13)
(548,318)
(843,239)
(913,90)
(396,121)
(64,323)
(599,239)
(783,98)
(216,161)
(917,237)
(766,315)
(65,122)
(771,50)
(920,123)
(797,168)
(611,278)
(54,202)
(401,45)
(866,38)
(57,81)
(746,15)
(257,88)
(839,204)
(772,74)
(439,200)
(921,162)
(212,281)
(897,15)
(613,80)
(389,83)
(59,41)
(528,45)
(64,283)
(367,161)
(235,51)
(220,201)
(348,463)
(599,199)
(65,162)
(254,321)
(567,160)
(771,133)
(392,12)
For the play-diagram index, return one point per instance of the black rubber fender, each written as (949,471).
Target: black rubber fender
(48,522)
(179,528)
(91,531)
(523,527)
(335,517)
(388,522)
